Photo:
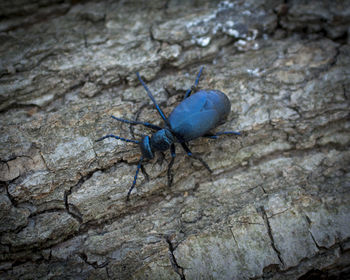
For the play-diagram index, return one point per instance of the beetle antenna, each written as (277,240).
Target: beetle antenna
(135,178)
(161,113)
(119,138)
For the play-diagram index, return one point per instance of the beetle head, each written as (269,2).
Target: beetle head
(161,140)
(146,148)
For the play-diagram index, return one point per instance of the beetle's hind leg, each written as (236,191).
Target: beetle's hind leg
(194,86)
(190,154)
(173,155)
(215,136)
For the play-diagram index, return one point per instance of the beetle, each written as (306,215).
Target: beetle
(194,117)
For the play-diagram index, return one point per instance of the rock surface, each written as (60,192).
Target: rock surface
(277,205)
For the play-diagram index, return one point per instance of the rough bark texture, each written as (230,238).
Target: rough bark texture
(277,205)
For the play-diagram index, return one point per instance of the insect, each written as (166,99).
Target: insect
(194,117)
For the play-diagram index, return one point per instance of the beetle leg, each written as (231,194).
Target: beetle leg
(189,153)
(119,138)
(193,87)
(135,178)
(215,136)
(170,176)
(146,124)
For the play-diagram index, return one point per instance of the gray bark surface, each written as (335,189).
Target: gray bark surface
(277,205)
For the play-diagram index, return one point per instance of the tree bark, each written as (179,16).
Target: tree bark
(277,205)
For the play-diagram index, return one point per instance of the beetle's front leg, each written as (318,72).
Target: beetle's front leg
(135,178)
(173,155)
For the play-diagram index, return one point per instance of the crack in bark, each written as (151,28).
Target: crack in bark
(42,13)
(95,265)
(292,153)
(15,157)
(323,253)
(11,198)
(144,172)
(234,238)
(261,210)
(297,152)
(107,272)
(278,213)
(314,240)
(248,223)
(51,210)
(344,92)
(44,161)
(178,269)
(319,247)
(71,208)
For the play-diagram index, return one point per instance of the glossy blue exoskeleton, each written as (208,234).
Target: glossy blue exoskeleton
(194,117)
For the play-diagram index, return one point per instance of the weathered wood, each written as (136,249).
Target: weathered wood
(277,205)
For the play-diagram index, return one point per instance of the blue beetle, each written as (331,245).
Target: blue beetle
(194,117)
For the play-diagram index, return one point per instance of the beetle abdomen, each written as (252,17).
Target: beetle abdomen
(199,113)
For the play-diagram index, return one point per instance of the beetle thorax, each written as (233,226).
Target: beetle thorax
(161,140)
